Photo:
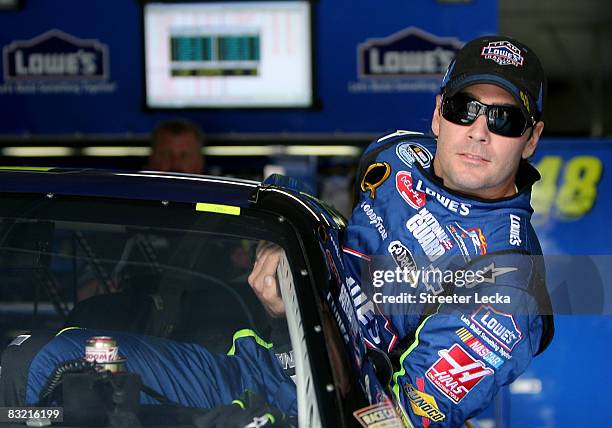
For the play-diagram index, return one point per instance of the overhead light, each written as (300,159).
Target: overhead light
(143,151)
(38,152)
(281,150)
(116,151)
(241,150)
(6,5)
(323,150)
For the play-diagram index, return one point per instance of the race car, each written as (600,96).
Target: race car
(164,258)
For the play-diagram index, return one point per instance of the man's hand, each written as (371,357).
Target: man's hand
(263,278)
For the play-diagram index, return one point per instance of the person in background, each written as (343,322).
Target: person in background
(177,147)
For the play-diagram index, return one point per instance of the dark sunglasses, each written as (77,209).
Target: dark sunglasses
(507,121)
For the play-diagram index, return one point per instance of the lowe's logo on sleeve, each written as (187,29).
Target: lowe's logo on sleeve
(410,52)
(498,325)
(55,55)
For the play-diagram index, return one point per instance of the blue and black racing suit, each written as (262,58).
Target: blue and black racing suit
(183,373)
(454,338)
(472,309)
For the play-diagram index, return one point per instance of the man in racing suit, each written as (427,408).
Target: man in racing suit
(457,205)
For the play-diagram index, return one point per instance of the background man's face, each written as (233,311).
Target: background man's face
(177,153)
(473,160)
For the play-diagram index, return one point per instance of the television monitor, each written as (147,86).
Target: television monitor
(228,54)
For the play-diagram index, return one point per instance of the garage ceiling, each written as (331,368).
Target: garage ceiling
(574,41)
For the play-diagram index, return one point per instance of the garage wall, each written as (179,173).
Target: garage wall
(346,102)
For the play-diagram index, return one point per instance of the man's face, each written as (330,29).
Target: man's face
(473,160)
(176,153)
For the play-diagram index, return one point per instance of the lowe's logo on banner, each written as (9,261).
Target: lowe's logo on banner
(409,60)
(56,62)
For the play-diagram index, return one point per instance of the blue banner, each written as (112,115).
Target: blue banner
(71,66)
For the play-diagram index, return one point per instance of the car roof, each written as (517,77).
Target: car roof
(169,186)
(146,185)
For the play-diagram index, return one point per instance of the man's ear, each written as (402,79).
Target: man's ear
(532,142)
(435,119)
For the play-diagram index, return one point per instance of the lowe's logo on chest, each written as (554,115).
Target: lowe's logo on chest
(55,55)
(411,52)
(450,204)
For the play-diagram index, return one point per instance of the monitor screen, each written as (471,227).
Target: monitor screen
(228,54)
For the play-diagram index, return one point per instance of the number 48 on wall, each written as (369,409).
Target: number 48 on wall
(571,197)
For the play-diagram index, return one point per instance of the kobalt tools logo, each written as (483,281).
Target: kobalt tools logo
(55,55)
(503,53)
(426,229)
(411,52)
(498,325)
(456,372)
(403,184)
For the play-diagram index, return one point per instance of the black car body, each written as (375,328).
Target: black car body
(69,237)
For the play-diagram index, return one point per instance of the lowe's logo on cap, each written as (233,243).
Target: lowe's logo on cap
(503,53)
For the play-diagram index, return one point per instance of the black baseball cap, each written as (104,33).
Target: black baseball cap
(501,61)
